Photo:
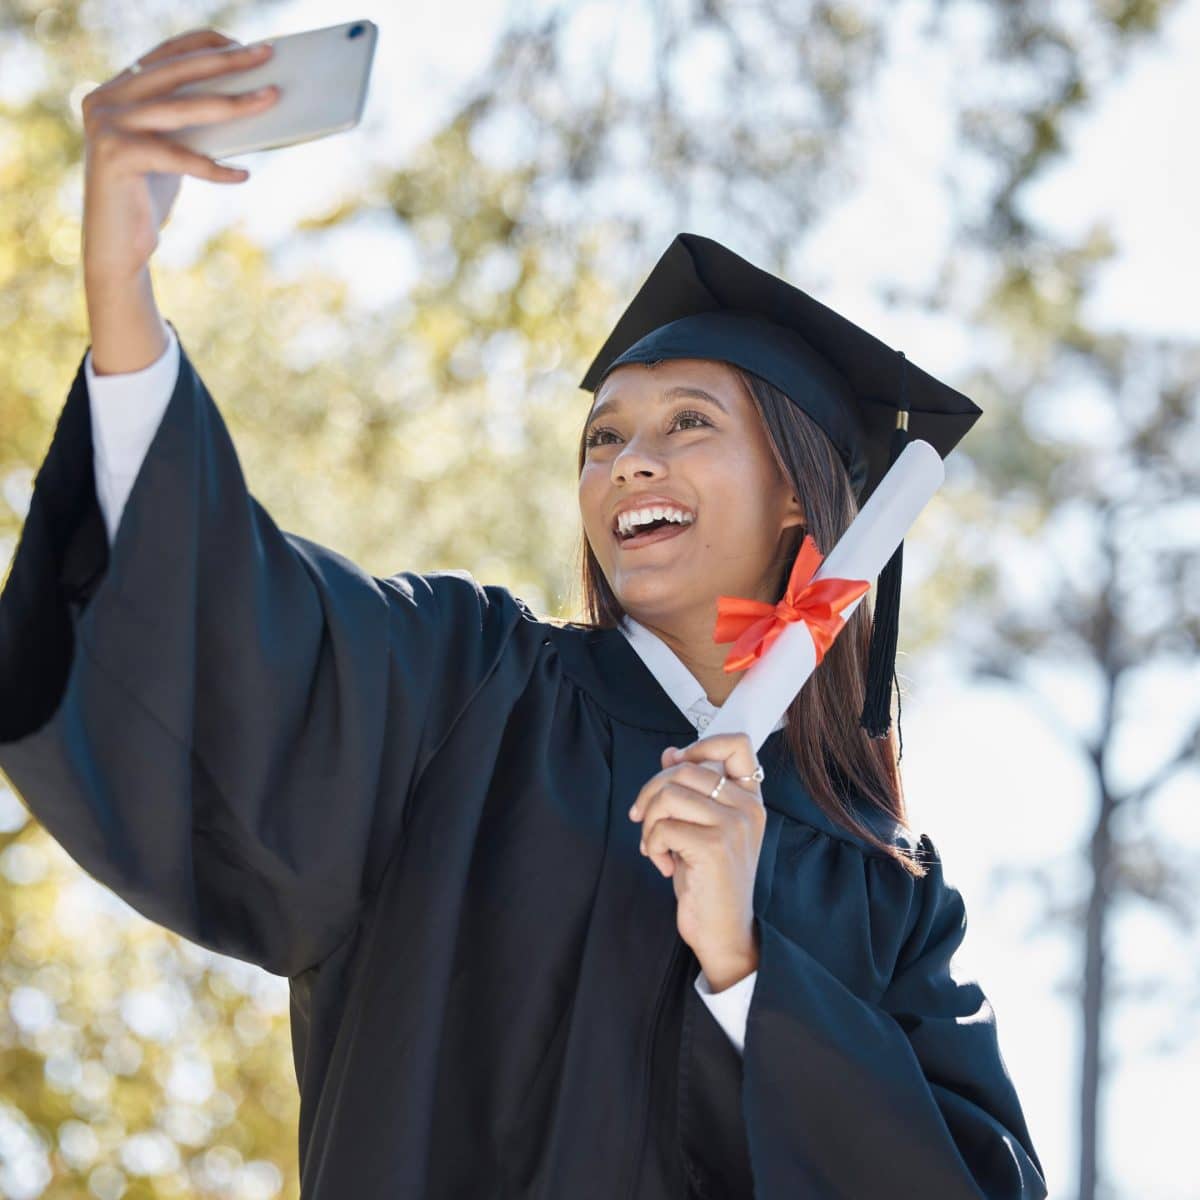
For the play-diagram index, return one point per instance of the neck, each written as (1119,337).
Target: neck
(690,637)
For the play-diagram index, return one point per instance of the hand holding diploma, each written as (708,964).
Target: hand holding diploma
(708,847)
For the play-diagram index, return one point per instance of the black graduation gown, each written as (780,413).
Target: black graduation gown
(409,796)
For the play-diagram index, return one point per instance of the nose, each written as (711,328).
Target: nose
(633,461)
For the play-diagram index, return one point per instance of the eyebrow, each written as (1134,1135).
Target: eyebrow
(672,393)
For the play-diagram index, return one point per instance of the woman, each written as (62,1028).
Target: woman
(411,796)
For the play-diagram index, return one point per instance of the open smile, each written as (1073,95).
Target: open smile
(662,534)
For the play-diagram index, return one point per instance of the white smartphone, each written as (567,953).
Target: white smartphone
(322,77)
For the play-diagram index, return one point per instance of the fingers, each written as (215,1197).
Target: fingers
(122,101)
(681,795)
(678,800)
(733,751)
(139,153)
(700,780)
(124,135)
(179,111)
(690,841)
(678,809)
(177,69)
(673,804)
(174,47)
(192,39)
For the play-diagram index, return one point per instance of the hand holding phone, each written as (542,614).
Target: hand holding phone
(321,77)
(185,101)
(132,167)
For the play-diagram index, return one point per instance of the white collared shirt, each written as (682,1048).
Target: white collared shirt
(685,690)
(126,411)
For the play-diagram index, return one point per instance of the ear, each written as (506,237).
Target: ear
(795,514)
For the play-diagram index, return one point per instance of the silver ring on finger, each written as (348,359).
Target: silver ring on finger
(135,67)
(720,784)
(758,776)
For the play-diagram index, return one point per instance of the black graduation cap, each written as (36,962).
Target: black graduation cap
(703,301)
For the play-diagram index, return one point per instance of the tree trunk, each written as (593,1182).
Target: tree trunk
(1093,994)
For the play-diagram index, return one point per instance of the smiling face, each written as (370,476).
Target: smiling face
(684,432)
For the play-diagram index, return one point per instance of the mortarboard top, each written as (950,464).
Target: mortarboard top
(702,300)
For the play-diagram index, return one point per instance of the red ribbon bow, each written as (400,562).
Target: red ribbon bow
(756,624)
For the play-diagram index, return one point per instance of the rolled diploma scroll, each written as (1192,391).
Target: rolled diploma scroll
(773,681)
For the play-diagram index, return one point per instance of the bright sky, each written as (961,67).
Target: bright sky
(985,774)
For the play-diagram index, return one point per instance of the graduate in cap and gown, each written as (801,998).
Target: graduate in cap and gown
(532,952)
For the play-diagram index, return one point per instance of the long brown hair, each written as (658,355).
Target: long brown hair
(831,751)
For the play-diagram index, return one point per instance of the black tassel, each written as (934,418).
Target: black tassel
(876,716)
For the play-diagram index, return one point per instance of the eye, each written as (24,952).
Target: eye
(594,435)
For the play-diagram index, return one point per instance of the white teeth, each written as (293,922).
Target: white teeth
(626,521)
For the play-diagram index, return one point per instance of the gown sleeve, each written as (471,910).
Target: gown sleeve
(218,720)
(906,1096)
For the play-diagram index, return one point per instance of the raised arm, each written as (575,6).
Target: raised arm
(219,720)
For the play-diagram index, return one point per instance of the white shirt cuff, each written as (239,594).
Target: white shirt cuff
(730,1007)
(126,411)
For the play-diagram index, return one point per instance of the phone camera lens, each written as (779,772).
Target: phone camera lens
(354,31)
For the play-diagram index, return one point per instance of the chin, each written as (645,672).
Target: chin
(654,597)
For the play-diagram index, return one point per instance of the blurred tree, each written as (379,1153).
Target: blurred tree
(146,1067)
(1089,477)
(1107,509)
